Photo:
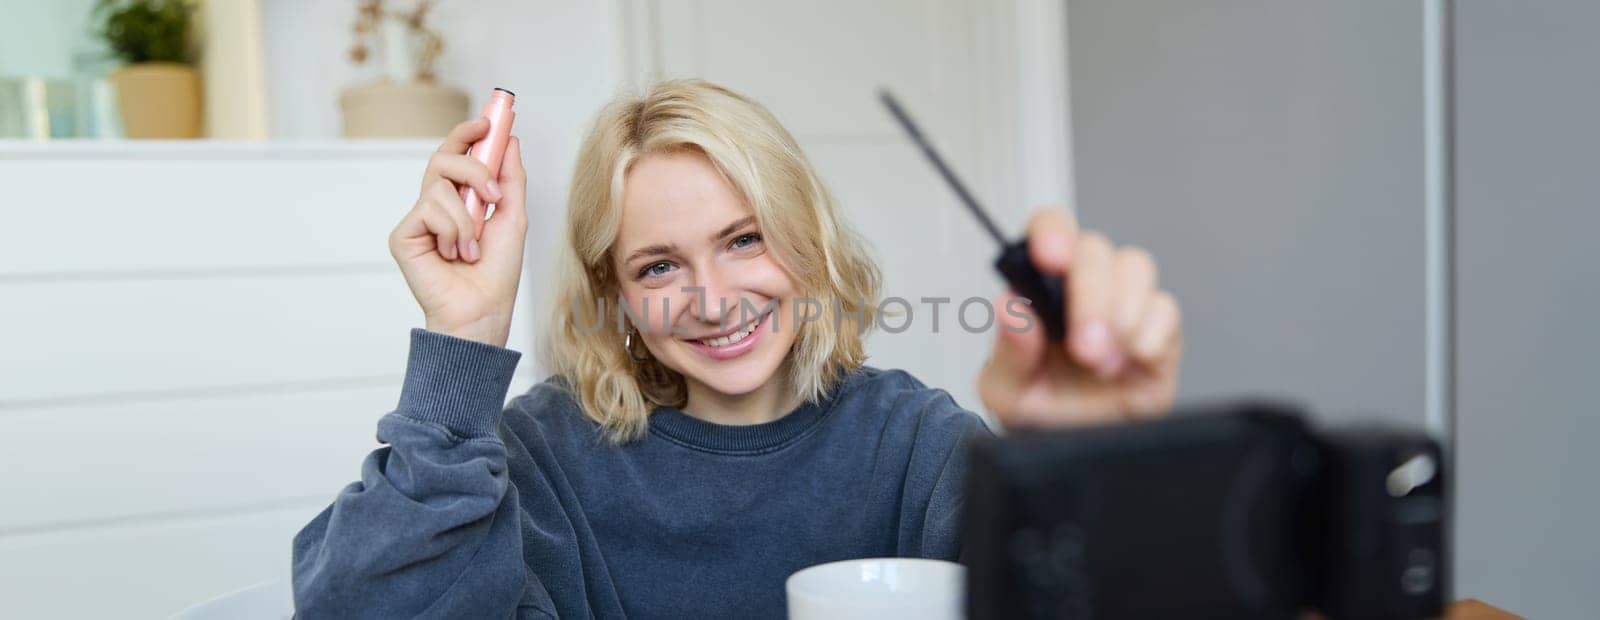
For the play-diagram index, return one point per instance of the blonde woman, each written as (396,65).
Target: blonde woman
(710,426)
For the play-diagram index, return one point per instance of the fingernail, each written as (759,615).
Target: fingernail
(494,190)
(1056,246)
(472,250)
(1095,345)
(1094,340)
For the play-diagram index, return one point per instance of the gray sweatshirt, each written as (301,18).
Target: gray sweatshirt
(474,512)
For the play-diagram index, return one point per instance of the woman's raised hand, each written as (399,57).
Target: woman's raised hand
(1124,339)
(466,287)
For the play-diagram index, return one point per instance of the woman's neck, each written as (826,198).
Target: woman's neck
(769,402)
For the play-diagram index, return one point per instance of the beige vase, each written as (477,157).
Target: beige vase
(401,110)
(159,100)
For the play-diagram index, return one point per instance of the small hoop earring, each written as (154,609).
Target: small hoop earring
(627,345)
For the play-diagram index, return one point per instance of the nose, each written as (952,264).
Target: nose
(712,298)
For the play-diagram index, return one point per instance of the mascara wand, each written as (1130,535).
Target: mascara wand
(1044,293)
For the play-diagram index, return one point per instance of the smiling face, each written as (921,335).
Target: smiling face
(685,228)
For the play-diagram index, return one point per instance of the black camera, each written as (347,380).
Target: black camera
(1225,511)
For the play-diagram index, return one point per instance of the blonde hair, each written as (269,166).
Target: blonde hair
(798,219)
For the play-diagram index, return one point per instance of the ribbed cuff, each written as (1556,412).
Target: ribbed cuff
(456,382)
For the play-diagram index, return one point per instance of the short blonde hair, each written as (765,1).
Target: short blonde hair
(798,219)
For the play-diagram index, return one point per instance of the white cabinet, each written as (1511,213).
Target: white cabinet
(198,341)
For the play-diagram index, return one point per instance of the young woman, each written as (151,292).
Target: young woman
(685,464)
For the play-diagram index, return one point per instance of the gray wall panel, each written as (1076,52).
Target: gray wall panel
(1270,155)
(1529,296)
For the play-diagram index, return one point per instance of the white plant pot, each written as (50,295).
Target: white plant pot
(400,50)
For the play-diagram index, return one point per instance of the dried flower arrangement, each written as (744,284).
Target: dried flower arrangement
(370,14)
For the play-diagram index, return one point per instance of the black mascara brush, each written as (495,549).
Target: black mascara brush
(1044,293)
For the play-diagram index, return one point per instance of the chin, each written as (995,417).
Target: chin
(746,378)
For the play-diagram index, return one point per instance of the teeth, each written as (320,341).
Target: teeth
(723,341)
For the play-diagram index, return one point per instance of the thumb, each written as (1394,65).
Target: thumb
(1018,354)
(506,230)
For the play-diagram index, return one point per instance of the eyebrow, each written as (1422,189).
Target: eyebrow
(667,248)
(650,250)
(729,229)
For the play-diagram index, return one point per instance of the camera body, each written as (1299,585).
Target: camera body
(1225,511)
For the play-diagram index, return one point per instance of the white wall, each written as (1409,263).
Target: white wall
(563,59)
(200,337)
(42,38)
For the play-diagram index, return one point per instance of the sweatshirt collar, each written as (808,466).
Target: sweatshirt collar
(692,432)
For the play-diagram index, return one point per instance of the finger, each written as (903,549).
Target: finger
(1093,342)
(427,220)
(511,170)
(505,234)
(411,236)
(1152,389)
(1018,352)
(1149,398)
(415,227)
(1021,342)
(1160,332)
(1135,274)
(510,217)
(463,135)
(1051,236)
(444,196)
(463,170)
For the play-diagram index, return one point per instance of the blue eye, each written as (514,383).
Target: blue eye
(655,269)
(746,240)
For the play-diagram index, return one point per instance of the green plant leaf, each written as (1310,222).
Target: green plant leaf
(146,30)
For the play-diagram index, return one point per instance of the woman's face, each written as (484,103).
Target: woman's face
(690,251)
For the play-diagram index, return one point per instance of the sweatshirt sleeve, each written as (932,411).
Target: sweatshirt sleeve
(934,497)
(946,505)
(942,524)
(432,529)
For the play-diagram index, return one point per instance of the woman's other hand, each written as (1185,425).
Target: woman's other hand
(1124,339)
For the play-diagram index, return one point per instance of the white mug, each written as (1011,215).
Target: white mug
(878,588)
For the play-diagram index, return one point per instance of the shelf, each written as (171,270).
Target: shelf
(15,149)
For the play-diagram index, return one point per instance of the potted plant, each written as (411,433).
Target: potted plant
(406,102)
(158,89)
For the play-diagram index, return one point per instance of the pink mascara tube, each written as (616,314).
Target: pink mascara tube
(490,151)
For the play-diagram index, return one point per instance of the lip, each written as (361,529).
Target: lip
(729,330)
(736,349)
